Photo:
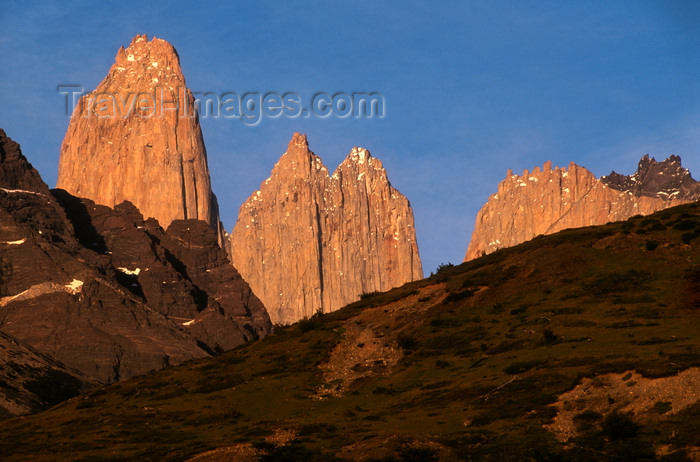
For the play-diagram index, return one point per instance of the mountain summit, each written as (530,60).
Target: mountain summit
(137,137)
(665,180)
(308,241)
(548,200)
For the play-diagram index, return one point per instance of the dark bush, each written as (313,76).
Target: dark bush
(309,324)
(662,407)
(685,225)
(443,267)
(413,454)
(588,416)
(406,341)
(618,426)
(689,237)
(456,296)
(617,282)
(549,336)
(651,245)
(522,366)
(445,322)
(519,310)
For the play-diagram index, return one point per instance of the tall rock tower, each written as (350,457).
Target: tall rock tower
(307,241)
(549,200)
(137,137)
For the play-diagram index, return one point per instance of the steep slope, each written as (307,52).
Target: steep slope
(31,382)
(15,170)
(137,137)
(549,200)
(309,242)
(572,347)
(109,294)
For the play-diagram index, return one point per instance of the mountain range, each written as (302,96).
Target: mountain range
(548,200)
(308,332)
(577,346)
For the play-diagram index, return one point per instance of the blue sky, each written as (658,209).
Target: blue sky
(471,88)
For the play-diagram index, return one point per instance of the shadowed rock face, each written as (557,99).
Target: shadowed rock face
(664,180)
(307,241)
(32,382)
(548,200)
(112,295)
(16,171)
(136,137)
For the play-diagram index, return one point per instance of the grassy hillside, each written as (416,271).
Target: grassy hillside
(468,364)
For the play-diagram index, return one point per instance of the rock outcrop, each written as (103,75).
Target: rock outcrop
(548,200)
(663,180)
(137,138)
(15,170)
(110,294)
(308,241)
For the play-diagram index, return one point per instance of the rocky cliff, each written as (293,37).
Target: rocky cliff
(16,171)
(137,137)
(108,293)
(309,241)
(548,200)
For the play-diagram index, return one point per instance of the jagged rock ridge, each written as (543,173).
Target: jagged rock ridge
(664,180)
(548,200)
(309,241)
(108,293)
(137,137)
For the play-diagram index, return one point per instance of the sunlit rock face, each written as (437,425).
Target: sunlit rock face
(548,200)
(137,137)
(309,241)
